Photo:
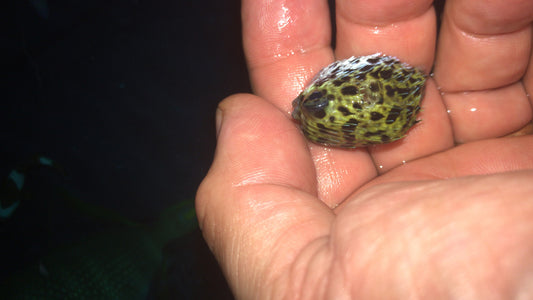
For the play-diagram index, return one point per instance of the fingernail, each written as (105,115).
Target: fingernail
(218,119)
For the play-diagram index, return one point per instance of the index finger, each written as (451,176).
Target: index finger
(285,42)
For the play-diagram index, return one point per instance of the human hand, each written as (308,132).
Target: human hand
(288,219)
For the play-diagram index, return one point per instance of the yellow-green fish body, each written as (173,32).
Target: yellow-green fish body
(360,101)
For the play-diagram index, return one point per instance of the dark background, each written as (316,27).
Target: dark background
(121,94)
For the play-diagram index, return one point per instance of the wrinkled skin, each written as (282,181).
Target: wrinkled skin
(288,219)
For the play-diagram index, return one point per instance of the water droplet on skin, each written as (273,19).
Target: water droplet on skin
(449,111)
(285,19)
(473,109)
(380,167)
(404,162)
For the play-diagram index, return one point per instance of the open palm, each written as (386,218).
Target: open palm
(443,213)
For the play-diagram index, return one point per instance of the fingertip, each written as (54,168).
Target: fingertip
(404,29)
(228,105)
(483,45)
(222,106)
(259,143)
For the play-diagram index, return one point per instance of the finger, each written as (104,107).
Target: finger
(257,144)
(257,206)
(286,43)
(483,52)
(488,114)
(401,28)
(483,45)
(528,81)
(407,30)
(476,158)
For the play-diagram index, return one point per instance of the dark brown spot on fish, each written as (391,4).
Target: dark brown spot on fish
(336,69)
(374,87)
(403,91)
(344,110)
(360,76)
(385,138)
(346,78)
(320,113)
(393,114)
(337,82)
(315,95)
(349,90)
(320,82)
(350,125)
(375,116)
(409,109)
(367,68)
(375,73)
(386,74)
(324,131)
(390,90)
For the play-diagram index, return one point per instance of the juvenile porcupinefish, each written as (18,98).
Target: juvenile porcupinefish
(360,101)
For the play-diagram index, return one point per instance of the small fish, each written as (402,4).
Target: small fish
(360,101)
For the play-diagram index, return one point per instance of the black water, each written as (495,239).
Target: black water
(122,95)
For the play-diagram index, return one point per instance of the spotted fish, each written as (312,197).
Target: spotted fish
(360,101)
